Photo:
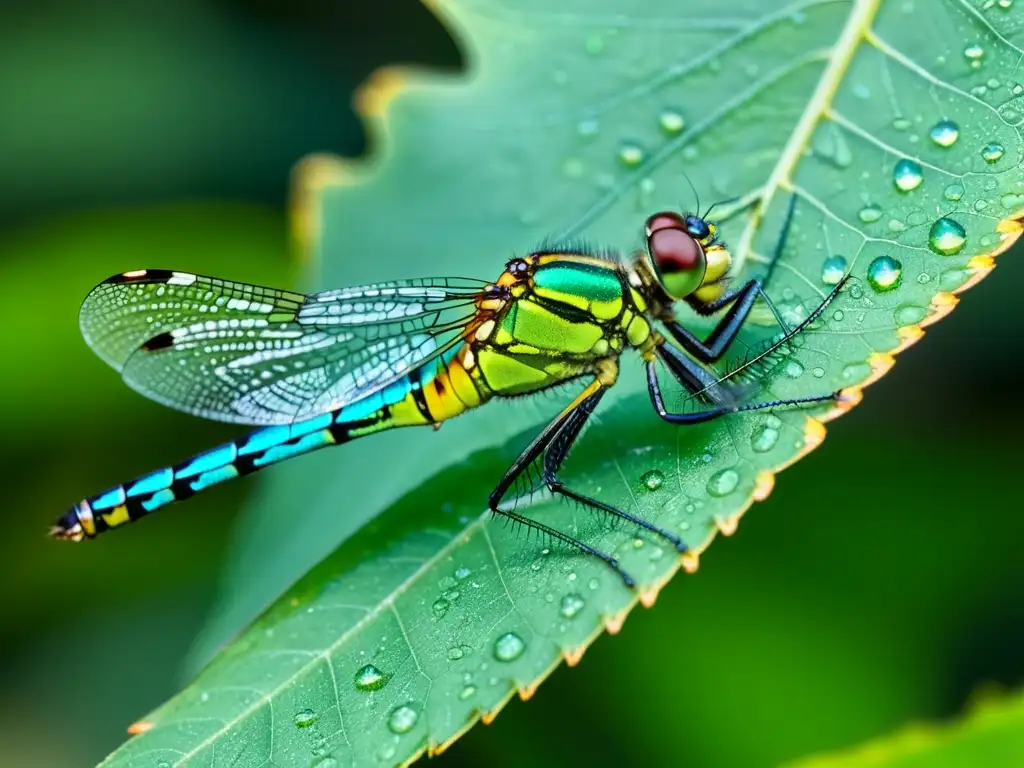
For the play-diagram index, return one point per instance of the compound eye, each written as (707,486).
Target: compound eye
(677,256)
(664,220)
(517,267)
(697,227)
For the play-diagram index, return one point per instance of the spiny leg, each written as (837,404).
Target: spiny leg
(724,333)
(527,457)
(556,454)
(687,371)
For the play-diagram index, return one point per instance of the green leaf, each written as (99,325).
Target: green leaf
(991,734)
(579,123)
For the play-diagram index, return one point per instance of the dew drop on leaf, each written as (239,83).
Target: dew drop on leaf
(909,314)
(369,678)
(571,605)
(766,435)
(885,273)
(1011,201)
(462,573)
(833,269)
(944,133)
(467,692)
(900,123)
(305,718)
(953,192)
(509,647)
(724,482)
(653,479)
(631,155)
(587,128)
(974,55)
(441,607)
(870,214)
(793,369)
(671,122)
(946,237)
(992,153)
(402,719)
(907,175)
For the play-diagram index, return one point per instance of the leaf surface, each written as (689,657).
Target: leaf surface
(578,123)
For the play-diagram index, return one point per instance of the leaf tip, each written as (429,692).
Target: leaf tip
(572,656)
(139,727)
(690,562)
(814,433)
(764,482)
(727,525)
(613,624)
(649,596)
(526,691)
(372,98)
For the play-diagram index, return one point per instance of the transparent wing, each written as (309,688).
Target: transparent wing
(252,355)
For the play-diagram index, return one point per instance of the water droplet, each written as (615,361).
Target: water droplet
(466,692)
(908,314)
(953,192)
(451,595)
(907,175)
(885,274)
(833,269)
(652,480)
(327,762)
(593,584)
(571,605)
(974,55)
(402,719)
(573,167)
(441,607)
(509,647)
(671,122)
(631,155)
(992,153)
(793,369)
(305,718)
(462,573)
(587,128)
(856,291)
(817,371)
(595,44)
(766,435)
(946,237)
(723,483)
(870,214)
(900,123)
(369,678)
(944,133)
(1011,201)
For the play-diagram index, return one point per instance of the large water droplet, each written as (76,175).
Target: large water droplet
(305,718)
(723,483)
(571,605)
(885,273)
(870,214)
(992,153)
(945,133)
(833,269)
(946,237)
(509,647)
(402,719)
(671,122)
(369,678)
(653,479)
(907,175)
(974,55)
(631,155)
(766,435)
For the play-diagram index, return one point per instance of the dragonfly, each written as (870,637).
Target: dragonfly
(321,369)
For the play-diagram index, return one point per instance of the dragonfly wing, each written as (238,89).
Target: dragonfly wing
(247,354)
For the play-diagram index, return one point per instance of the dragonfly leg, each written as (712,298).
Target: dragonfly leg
(559,449)
(587,400)
(742,300)
(709,414)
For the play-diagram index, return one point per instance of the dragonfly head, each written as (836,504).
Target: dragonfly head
(685,257)
(69,526)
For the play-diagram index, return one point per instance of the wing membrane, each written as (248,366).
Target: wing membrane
(253,355)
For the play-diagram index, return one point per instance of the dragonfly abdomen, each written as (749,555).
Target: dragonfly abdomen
(406,402)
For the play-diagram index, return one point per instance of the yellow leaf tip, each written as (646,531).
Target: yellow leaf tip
(139,727)
(727,525)
(572,656)
(764,482)
(690,562)
(372,98)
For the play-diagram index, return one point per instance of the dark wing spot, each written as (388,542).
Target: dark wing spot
(160,341)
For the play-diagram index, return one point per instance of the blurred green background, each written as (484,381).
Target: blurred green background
(148,134)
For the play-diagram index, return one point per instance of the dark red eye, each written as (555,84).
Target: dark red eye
(664,220)
(672,248)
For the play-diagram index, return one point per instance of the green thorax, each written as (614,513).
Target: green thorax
(565,312)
